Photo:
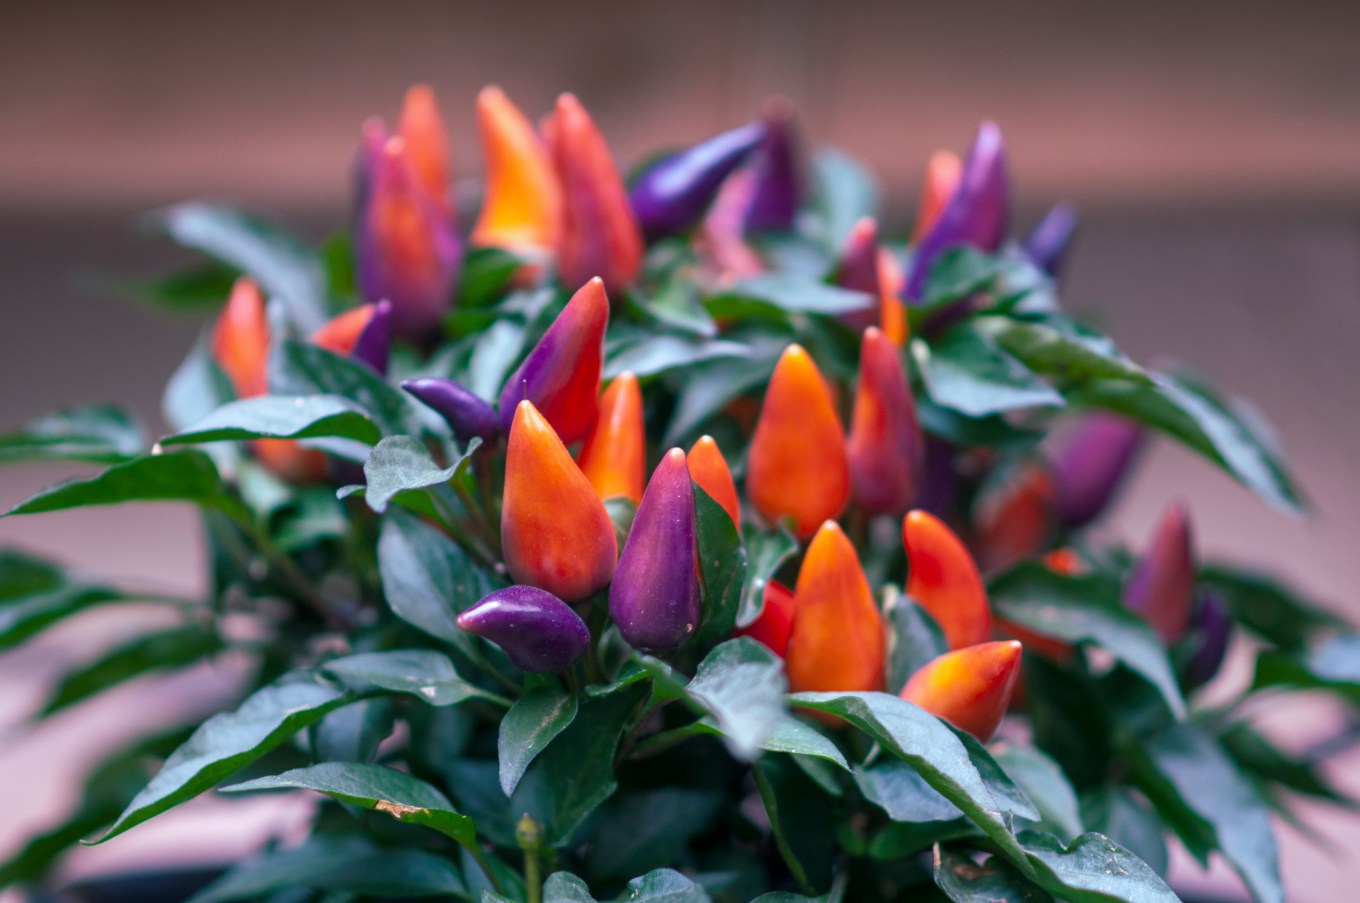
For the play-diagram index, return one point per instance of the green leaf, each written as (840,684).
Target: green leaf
(194,291)
(348,864)
(229,741)
(843,192)
(427,675)
(23,616)
(22,575)
(399,463)
(801,739)
(1259,757)
(173,648)
(526,730)
(648,828)
(778,293)
(179,477)
(197,388)
(663,886)
(707,388)
(1045,785)
(900,791)
(995,881)
(927,745)
(352,733)
(914,639)
(1093,869)
(966,372)
(427,578)
(1198,790)
(722,567)
(1085,609)
(765,552)
(799,814)
(100,433)
(301,368)
(958,273)
(281,264)
(1192,415)
(742,685)
(399,795)
(564,887)
(486,273)
(1129,822)
(282,417)
(1267,607)
(1060,349)
(655,354)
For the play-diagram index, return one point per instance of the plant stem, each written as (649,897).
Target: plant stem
(529,836)
(482,861)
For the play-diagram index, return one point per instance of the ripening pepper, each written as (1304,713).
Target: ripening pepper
(837,640)
(708,468)
(465,413)
(538,631)
(1090,465)
(406,248)
(522,206)
(1047,245)
(240,339)
(720,241)
(970,688)
(885,447)
(777,190)
(775,624)
(892,313)
(944,580)
(673,193)
(858,271)
(797,464)
(1161,586)
(363,334)
(655,597)
(555,532)
(561,375)
(421,129)
(1211,634)
(1014,520)
(977,213)
(613,457)
(943,171)
(599,235)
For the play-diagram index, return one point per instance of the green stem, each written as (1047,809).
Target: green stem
(478,855)
(529,836)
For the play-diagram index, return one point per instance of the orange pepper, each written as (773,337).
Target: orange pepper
(837,640)
(341,333)
(522,208)
(892,313)
(612,458)
(240,339)
(945,581)
(944,169)
(709,469)
(427,147)
(970,687)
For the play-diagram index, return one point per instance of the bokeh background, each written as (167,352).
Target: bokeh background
(1213,148)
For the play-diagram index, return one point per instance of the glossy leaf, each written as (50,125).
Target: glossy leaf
(301,368)
(1060,349)
(1332,665)
(967,373)
(657,354)
(526,730)
(25,614)
(648,827)
(1129,822)
(722,566)
(742,685)
(281,417)
(196,389)
(798,814)
(1044,783)
(180,477)
(788,293)
(427,675)
(400,463)
(100,433)
(1093,869)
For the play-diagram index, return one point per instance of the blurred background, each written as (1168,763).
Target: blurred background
(1213,149)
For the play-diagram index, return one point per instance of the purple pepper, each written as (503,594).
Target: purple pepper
(977,214)
(778,192)
(374,345)
(537,630)
(1161,587)
(465,413)
(1047,245)
(1212,627)
(1090,466)
(673,193)
(939,482)
(654,598)
(858,271)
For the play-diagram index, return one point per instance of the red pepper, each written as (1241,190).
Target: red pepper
(612,458)
(775,624)
(944,580)
(970,688)
(837,641)
(1015,521)
(885,448)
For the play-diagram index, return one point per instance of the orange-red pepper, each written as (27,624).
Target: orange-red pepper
(522,207)
(240,339)
(944,169)
(709,469)
(421,128)
(797,466)
(885,449)
(970,688)
(1015,521)
(892,313)
(613,455)
(775,624)
(944,580)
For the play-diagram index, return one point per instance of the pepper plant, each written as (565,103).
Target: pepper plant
(682,538)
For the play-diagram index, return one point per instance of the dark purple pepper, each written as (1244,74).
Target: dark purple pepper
(1161,586)
(537,630)
(654,598)
(977,214)
(374,345)
(777,192)
(465,413)
(939,483)
(858,271)
(1212,628)
(1090,465)
(1047,245)
(673,193)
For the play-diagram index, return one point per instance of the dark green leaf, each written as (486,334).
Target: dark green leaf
(765,552)
(656,354)
(526,730)
(1129,822)
(1093,869)
(914,639)
(1334,665)
(788,293)
(229,741)
(707,388)
(800,739)
(401,796)
(23,616)
(99,433)
(400,463)
(564,887)
(663,886)
(1267,607)
(1044,783)
(301,368)
(486,272)
(898,840)
(722,567)
(995,881)
(901,792)
(1060,349)
(282,417)
(198,290)
(1262,759)
(22,575)
(799,814)
(197,388)
(1085,609)
(742,685)
(648,828)
(179,477)
(276,260)
(494,354)
(958,273)
(417,672)
(352,733)
(967,372)
(677,305)
(173,648)
(843,192)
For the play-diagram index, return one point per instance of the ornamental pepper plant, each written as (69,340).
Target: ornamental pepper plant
(679,534)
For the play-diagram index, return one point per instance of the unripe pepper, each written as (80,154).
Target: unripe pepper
(837,641)
(655,597)
(775,624)
(709,469)
(977,213)
(598,235)
(673,193)
(970,688)
(522,207)
(1211,634)
(797,464)
(538,631)
(1161,586)
(1014,521)
(555,532)
(885,446)
(1047,245)
(613,457)
(942,577)
(778,191)
(943,171)
(465,413)
(1090,465)
(561,375)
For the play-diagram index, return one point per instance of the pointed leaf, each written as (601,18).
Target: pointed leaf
(100,433)
(401,463)
(966,372)
(179,477)
(526,730)
(1093,869)
(742,685)
(281,417)
(417,672)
